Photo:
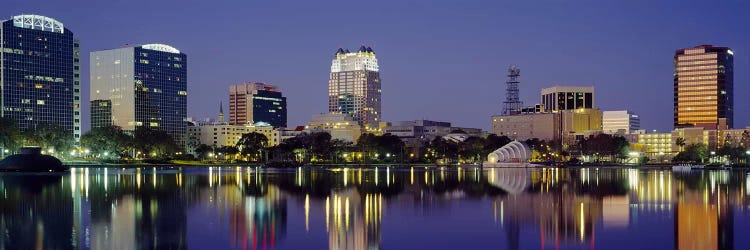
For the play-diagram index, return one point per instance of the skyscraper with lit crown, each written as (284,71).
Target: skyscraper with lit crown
(40,73)
(354,86)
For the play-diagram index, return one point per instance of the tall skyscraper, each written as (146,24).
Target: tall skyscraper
(704,87)
(256,102)
(567,98)
(40,73)
(140,86)
(354,86)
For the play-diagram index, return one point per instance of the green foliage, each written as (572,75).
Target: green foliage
(252,145)
(745,139)
(49,137)
(202,150)
(733,154)
(693,153)
(386,147)
(10,135)
(604,145)
(441,150)
(110,140)
(154,143)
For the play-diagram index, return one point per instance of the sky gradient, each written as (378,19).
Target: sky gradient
(439,60)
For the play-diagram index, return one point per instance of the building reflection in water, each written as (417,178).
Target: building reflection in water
(111,208)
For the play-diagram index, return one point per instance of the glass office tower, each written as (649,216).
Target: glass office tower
(704,87)
(40,73)
(354,86)
(141,86)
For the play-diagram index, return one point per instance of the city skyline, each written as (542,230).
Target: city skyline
(629,58)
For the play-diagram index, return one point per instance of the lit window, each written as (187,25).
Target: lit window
(40,102)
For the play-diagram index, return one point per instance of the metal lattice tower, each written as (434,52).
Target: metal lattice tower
(512,104)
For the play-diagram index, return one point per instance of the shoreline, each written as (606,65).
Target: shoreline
(379,165)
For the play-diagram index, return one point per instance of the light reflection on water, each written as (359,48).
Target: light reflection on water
(373,208)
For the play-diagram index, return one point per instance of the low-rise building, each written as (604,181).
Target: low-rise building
(340,126)
(620,122)
(656,144)
(547,126)
(219,134)
(671,143)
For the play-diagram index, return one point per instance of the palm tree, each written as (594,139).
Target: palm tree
(680,142)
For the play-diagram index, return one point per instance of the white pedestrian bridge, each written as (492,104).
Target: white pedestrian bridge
(513,152)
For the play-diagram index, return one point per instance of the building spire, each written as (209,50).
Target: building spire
(221,112)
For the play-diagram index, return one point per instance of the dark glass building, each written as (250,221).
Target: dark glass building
(145,86)
(40,73)
(101,113)
(704,87)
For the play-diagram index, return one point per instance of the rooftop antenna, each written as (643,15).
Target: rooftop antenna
(512,104)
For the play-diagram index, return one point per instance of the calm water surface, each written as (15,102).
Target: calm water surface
(384,208)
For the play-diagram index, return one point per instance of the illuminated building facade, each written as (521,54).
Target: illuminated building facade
(145,85)
(354,86)
(255,102)
(547,126)
(558,98)
(219,135)
(340,126)
(704,87)
(620,122)
(656,144)
(40,73)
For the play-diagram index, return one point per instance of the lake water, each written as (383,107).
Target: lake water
(383,208)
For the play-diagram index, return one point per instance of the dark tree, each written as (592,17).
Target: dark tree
(110,140)
(10,135)
(252,145)
(154,143)
(50,137)
(692,153)
(202,150)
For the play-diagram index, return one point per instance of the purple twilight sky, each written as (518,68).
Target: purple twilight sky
(440,60)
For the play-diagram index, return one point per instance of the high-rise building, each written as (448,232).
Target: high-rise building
(354,86)
(620,121)
(704,87)
(40,73)
(567,98)
(143,86)
(256,102)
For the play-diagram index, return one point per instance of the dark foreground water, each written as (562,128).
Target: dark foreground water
(408,208)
